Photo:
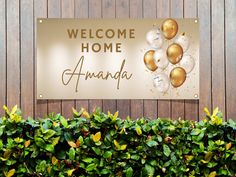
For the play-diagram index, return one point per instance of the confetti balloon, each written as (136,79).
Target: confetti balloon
(169,28)
(154,38)
(161,82)
(174,53)
(177,77)
(187,62)
(183,41)
(161,58)
(149,60)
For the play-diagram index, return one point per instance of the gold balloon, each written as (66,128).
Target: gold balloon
(169,28)
(174,53)
(177,76)
(149,60)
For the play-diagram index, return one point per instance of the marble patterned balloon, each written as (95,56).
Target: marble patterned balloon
(161,82)
(161,58)
(187,62)
(183,41)
(154,38)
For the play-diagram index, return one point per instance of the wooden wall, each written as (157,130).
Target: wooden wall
(217,54)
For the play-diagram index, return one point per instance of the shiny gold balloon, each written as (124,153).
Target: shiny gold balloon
(169,28)
(149,60)
(174,53)
(177,76)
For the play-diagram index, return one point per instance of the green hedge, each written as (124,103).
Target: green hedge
(104,145)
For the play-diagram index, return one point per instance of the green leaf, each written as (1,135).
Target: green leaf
(105,171)
(149,170)
(129,172)
(91,167)
(152,143)
(63,122)
(40,142)
(107,154)
(49,147)
(195,131)
(97,150)
(71,153)
(49,134)
(88,160)
(167,150)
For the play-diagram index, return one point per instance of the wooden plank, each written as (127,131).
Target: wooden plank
(67,11)
(40,11)
(95,11)
(13,54)
(109,11)
(122,11)
(177,106)
(136,106)
(191,106)
(163,11)
(205,56)
(218,62)
(230,43)
(27,58)
(81,11)
(54,11)
(2,55)
(81,8)
(150,11)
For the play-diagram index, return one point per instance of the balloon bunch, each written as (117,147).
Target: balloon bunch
(175,53)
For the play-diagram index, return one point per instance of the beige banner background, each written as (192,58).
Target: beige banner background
(56,52)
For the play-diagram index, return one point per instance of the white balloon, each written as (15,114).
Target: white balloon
(161,82)
(183,41)
(161,59)
(154,38)
(187,62)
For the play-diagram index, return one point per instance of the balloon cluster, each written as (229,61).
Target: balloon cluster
(158,57)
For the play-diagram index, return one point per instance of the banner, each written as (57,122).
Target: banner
(117,59)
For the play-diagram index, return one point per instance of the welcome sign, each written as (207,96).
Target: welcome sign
(118,59)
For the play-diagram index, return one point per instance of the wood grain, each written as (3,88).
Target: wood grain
(81,11)
(3,73)
(177,106)
(230,43)
(13,53)
(136,106)
(218,62)
(191,106)
(27,58)
(109,11)
(163,11)
(150,11)
(40,11)
(67,11)
(122,11)
(54,11)
(95,11)
(204,14)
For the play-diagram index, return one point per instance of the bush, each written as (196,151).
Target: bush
(104,145)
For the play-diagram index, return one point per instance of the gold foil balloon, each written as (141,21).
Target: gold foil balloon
(149,60)
(174,53)
(177,76)
(169,28)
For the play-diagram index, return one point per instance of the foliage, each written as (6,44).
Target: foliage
(104,145)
